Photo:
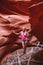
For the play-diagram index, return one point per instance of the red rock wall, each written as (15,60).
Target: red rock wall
(36,14)
(14,7)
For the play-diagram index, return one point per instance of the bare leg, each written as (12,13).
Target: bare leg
(24,46)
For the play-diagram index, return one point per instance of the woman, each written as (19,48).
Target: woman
(24,34)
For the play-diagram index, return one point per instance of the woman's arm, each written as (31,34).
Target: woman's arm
(28,34)
(16,33)
(29,30)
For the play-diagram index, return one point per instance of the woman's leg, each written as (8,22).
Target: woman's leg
(24,46)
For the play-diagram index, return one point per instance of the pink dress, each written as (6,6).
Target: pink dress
(23,35)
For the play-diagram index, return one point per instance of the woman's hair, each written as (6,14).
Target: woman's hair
(23,28)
